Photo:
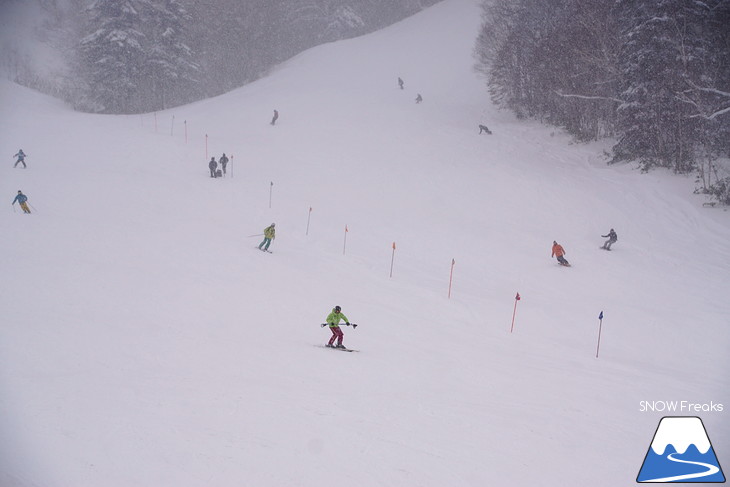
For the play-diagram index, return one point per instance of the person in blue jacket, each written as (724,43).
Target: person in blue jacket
(21,158)
(22,199)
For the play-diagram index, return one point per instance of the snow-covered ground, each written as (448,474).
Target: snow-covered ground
(146,342)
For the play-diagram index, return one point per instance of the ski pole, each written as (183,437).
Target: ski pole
(354,325)
(257,235)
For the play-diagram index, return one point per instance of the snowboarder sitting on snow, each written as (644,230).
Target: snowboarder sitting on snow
(333,320)
(212,165)
(612,237)
(419,98)
(223,162)
(21,198)
(483,128)
(21,158)
(269,235)
(559,252)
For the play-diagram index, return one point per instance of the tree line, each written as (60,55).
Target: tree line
(653,74)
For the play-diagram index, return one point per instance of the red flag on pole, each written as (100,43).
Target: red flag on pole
(392,259)
(451,275)
(514,312)
(309,216)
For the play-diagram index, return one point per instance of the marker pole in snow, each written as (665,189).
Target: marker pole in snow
(514,312)
(309,216)
(231,166)
(186,131)
(600,326)
(206,147)
(344,245)
(172,126)
(392,259)
(451,276)
(271,190)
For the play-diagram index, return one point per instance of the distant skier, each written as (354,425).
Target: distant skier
(275,118)
(558,253)
(333,320)
(223,162)
(212,165)
(419,98)
(400,82)
(269,235)
(484,128)
(22,199)
(21,158)
(612,238)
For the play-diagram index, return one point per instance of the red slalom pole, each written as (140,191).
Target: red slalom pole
(392,259)
(344,246)
(514,312)
(451,276)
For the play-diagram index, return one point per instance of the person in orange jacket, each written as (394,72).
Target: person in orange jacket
(559,252)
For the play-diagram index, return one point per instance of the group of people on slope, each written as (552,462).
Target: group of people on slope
(20,198)
(213,166)
(401,85)
(559,252)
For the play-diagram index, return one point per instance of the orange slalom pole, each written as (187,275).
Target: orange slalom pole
(514,312)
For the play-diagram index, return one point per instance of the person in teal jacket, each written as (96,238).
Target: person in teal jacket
(23,200)
(333,320)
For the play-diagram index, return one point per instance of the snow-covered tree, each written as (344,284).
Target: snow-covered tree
(134,55)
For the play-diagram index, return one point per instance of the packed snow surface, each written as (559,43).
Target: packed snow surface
(145,341)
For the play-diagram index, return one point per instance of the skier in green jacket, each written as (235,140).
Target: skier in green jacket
(269,235)
(333,320)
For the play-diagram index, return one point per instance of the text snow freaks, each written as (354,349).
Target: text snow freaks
(679,407)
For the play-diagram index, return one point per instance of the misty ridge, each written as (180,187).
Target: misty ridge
(136,56)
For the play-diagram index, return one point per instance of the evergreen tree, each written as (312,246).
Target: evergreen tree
(662,49)
(112,56)
(134,55)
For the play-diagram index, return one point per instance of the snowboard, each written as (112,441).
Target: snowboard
(564,265)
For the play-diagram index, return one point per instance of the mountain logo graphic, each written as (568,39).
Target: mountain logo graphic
(681,452)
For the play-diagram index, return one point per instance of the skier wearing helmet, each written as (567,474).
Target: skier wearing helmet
(269,235)
(333,320)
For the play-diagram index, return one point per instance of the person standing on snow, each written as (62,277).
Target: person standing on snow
(22,199)
(559,252)
(419,98)
(400,82)
(275,118)
(212,165)
(21,158)
(269,235)
(333,320)
(612,237)
(223,162)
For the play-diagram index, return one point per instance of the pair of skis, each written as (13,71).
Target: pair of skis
(354,325)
